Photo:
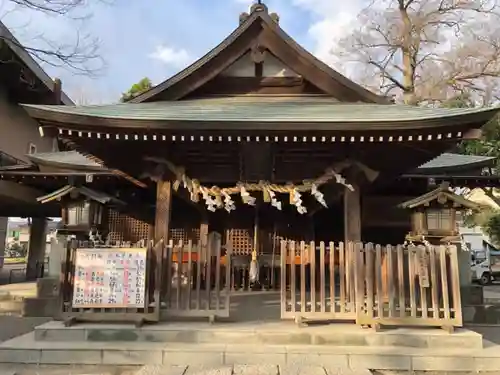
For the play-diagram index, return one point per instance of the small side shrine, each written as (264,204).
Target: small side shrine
(434,215)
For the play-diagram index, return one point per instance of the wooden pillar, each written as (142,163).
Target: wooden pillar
(36,248)
(163,211)
(162,232)
(352,215)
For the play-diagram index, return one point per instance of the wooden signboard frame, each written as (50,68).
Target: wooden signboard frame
(142,251)
(149,313)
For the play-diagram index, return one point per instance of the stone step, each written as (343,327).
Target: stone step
(11,369)
(283,333)
(25,349)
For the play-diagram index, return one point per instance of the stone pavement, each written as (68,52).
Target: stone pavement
(13,326)
(175,370)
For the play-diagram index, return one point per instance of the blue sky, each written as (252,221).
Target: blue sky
(158,38)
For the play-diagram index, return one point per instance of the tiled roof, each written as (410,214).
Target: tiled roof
(266,110)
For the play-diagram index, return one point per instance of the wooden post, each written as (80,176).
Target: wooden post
(352,215)
(352,234)
(36,248)
(162,229)
(163,210)
(57,91)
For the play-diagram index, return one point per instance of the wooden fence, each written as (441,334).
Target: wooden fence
(371,284)
(196,279)
(317,283)
(416,286)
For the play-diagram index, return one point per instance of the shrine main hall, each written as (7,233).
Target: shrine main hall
(259,166)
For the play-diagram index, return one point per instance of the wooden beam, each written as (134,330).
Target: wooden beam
(159,172)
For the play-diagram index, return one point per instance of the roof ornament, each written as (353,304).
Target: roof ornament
(259,6)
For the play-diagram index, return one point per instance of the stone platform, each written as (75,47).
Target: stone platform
(281,333)
(227,344)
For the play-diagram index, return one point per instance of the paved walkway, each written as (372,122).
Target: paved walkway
(175,370)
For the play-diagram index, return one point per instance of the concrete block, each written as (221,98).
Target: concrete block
(193,358)
(434,363)
(58,335)
(281,338)
(338,339)
(348,371)
(20,355)
(487,364)
(107,335)
(201,370)
(472,295)
(131,357)
(47,287)
(11,306)
(71,356)
(304,370)
(471,340)
(255,370)
(242,358)
(481,314)
(380,361)
(161,370)
(381,339)
(40,307)
(314,359)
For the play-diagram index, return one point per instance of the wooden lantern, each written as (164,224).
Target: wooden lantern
(83,215)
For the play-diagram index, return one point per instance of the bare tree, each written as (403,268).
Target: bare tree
(428,50)
(81,54)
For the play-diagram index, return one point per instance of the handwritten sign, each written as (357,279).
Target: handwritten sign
(110,278)
(423,271)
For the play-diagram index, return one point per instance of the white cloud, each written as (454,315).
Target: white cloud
(332,21)
(177,58)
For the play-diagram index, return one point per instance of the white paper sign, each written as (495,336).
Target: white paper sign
(110,278)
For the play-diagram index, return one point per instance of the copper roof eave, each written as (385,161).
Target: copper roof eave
(66,165)
(270,24)
(93,123)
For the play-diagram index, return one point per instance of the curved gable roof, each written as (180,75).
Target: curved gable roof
(10,40)
(279,43)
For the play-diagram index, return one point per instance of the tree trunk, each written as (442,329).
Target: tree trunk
(409,96)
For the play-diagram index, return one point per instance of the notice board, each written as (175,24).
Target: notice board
(110,278)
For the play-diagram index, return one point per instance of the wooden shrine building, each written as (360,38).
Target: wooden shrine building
(258,142)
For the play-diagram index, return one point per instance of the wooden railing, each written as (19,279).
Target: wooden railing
(318,283)
(196,280)
(416,286)
(371,284)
